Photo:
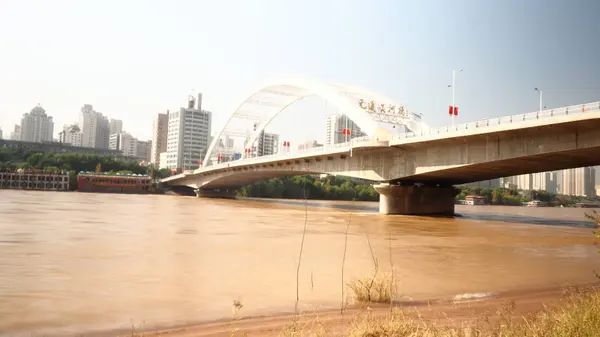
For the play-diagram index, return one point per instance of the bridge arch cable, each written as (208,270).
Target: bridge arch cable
(268,101)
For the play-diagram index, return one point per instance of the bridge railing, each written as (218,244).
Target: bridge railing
(292,153)
(538,115)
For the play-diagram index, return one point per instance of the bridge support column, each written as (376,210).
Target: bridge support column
(415,200)
(227,194)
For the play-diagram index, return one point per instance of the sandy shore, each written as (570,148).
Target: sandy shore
(450,312)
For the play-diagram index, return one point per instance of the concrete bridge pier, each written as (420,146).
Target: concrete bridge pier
(216,193)
(415,200)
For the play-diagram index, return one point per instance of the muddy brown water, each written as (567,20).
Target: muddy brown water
(81,262)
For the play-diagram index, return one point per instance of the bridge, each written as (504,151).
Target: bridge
(414,166)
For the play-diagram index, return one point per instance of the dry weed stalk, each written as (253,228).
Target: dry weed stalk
(301,250)
(344,259)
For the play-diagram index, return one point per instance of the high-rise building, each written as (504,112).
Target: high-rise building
(268,144)
(524,182)
(128,145)
(590,182)
(123,142)
(113,141)
(159,137)
(579,181)
(553,185)
(36,126)
(265,143)
(95,128)
(115,126)
(188,135)
(491,183)
(163,160)
(0,133)
(16,133)
(144,149)
(227,142)
(540,181)
(334,129)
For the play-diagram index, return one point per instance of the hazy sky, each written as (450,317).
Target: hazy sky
(132,59)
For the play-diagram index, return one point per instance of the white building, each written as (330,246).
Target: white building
(113,141)
(0,133)
(115,126)
(579,181)
(16,133)
(590,182)
(525,182)
(95,128)
(162,160)
(159,137)
(491,183)
(334,126)
(544,181)
(36,126)
(188,135)
(71,136)
(553,186)
(540,181)
(127,144)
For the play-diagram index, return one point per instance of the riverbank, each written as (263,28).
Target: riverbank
(458,312)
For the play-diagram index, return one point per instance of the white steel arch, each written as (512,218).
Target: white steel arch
(275,96)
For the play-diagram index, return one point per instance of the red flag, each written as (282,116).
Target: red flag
(348,132)
(450,109)
(455,111)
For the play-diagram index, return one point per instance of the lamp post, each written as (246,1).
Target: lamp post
(538,90)
(453,85)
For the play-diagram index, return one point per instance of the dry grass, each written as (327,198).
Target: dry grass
(376,289)
(577,315)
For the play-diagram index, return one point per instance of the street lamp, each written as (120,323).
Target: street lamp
(538,90)
(453,85)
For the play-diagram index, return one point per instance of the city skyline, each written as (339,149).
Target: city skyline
(499,74)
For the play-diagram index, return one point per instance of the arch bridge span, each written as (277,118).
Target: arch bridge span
(371,111)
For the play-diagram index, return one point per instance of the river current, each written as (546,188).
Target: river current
(82,262)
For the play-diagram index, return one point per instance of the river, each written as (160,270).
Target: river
(81,262)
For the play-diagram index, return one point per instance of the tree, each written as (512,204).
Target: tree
(496,197)
(595,216)
(124,172)
(311,187)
